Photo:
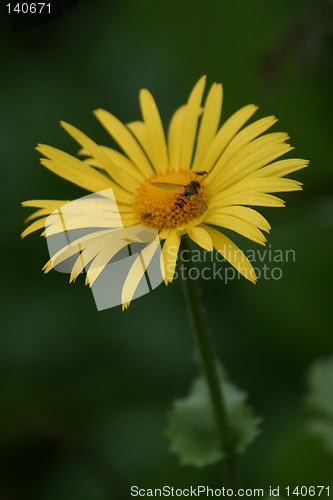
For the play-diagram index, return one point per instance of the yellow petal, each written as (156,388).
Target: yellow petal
(248,134)
(129,219)
(265,185)
(164,233)
(38,224)
(86,212)
(38,213)
(118,161)
(240,226)
(121,162)
(155,132)
(190,123)
(137,271)
(209,124)
(73,169)
(243,138)
(92,248)
(49,204)
(280,168)
(250,198)
(139,130)
(226,133)
(88,144)
(170,254)
(59,224)
(103,258)
(102,159)
(87,181)
(73,248)
(232,253)
(200,236)
(175,138)
(247,214)
(196,221)
(253,157)
(124,182)
(46,207)
(125,139)
(254,165)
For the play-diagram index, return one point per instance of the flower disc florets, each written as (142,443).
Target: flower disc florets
(155,206)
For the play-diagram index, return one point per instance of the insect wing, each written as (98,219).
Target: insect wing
(200,204)
(167,185)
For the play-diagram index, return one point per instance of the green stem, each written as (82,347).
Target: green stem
(210,368)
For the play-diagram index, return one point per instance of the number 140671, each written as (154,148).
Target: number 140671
(311,491)
(28,8)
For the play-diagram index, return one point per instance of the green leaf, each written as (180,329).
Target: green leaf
(320,381)
(320,400)
(192,427)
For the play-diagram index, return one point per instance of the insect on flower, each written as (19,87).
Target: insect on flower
(190,190)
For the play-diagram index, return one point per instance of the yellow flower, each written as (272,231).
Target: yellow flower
(233,168)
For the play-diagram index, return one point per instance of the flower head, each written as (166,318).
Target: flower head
(199,176)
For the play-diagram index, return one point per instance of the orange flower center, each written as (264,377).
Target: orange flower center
(178,197)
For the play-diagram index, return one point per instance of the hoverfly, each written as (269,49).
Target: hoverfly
(189,190)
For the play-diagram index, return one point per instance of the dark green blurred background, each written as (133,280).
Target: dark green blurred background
(84,395)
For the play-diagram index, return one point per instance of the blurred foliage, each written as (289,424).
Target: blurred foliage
(320,400)
(192,428)
(84,395)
